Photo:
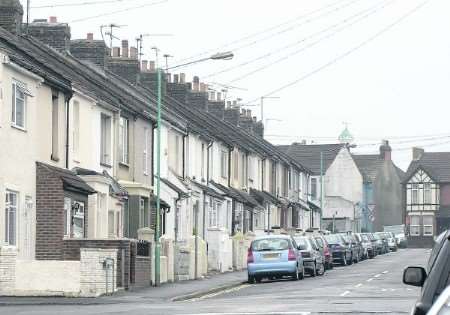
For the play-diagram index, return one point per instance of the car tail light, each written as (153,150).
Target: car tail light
(306,254)
(326,251)
(250,256)
(291,255)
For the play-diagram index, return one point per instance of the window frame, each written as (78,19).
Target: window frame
(314,195)
(428,225)
(224,164)
(124,134)
(8,210)
(105,139)
(16,86)
(145,154)
(411,226)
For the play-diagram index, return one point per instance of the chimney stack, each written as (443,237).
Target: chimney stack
(125,48)
(182,78)
(90,36)
(116,52)
(219,96)
(152,66)
(53,19)
(203,87)
(196,84)
(417,153)
(144,65)
(175,78)
(133,53)
(11,16)
(385,151)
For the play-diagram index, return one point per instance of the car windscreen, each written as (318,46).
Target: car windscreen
(302,243)
(270,244)
(333,239)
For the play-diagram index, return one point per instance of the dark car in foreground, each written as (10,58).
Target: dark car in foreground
(435,278)
(340,252)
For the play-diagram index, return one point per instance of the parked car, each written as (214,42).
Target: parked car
(374,242)
(392,242)
(382,246)
(435,278)
(323,246)
(340,252)
(442,304)
(401,240)
(357,243)
(313,261)
(366,245)
(354,247)
(274,256)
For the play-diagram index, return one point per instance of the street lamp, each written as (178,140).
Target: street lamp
(219,56)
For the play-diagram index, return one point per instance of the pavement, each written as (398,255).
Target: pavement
(369,287)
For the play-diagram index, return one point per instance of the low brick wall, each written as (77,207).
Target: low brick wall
(8,256)
(71,251)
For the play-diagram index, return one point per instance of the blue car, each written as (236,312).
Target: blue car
(274,256)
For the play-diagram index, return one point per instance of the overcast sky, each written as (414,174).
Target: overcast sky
(382,66)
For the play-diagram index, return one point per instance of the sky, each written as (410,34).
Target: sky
(382,67)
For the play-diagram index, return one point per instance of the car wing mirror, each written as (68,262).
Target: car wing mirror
(414,276)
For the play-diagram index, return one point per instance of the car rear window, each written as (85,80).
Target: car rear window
(333,239)
(269,244)
(302,242)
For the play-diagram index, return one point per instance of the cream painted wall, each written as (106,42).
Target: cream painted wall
(21,150)
(343,178)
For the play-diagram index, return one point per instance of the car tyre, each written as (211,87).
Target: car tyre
(344,260)
(296,276)
(350,261)
(321,270)
(258,279)
(313,272)
(251,279)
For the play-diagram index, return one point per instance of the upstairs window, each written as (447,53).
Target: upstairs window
(76,128)
(415,194)
(427,193)
(146,152)
(55,127)
(224,164)
(123,140)
(18,113)
(105,141)
(314,188)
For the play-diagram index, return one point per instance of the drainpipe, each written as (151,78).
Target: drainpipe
(183,163)
(229,166)
(207,162)
(153,156)
(67,99)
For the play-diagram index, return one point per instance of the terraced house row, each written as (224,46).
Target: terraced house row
(77,203)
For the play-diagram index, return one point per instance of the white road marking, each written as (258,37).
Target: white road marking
(219,293)
(377,275)
(368,280)
(345,293)
(385,272)
(358,285)
(259,313)
(384,290)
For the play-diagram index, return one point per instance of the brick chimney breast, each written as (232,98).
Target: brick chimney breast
(53,19)
(144,65)
(90,36)
(385,151)
(116,52)
(11,15)
(51,33)
(182,78)
(152,66)
(417,153)
(133,53)
(196,83)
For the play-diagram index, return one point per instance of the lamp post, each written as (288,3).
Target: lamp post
(219,56)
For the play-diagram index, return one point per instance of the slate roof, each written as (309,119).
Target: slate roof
(262,196)
(174,187)
(114,188)
(309,154)
(70,179)
(435,164)
(208,190)
(368,165)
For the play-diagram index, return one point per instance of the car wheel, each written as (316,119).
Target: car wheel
(251,279)
(313,272)
(350,261)
(357,258)
(321,270)
(301,276)
(258,279)
(344,260)
(296,276)
(330,266)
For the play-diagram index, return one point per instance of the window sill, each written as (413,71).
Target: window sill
(104,164)
(18,127)
(54,158)
(122,164)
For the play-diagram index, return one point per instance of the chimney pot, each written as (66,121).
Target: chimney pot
(53,19)
(203,87)
(90,36)
(144,65)
(116,51)
(125,48)
(254,119)
(133,53)
(152,67)
(182,78)
(175,78)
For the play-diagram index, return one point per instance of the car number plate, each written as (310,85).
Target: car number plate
(271,256)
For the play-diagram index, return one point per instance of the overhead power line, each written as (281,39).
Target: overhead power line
(78,4)
(118,11)
(267,30)
(371,11)
(346,53)
(298,42)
